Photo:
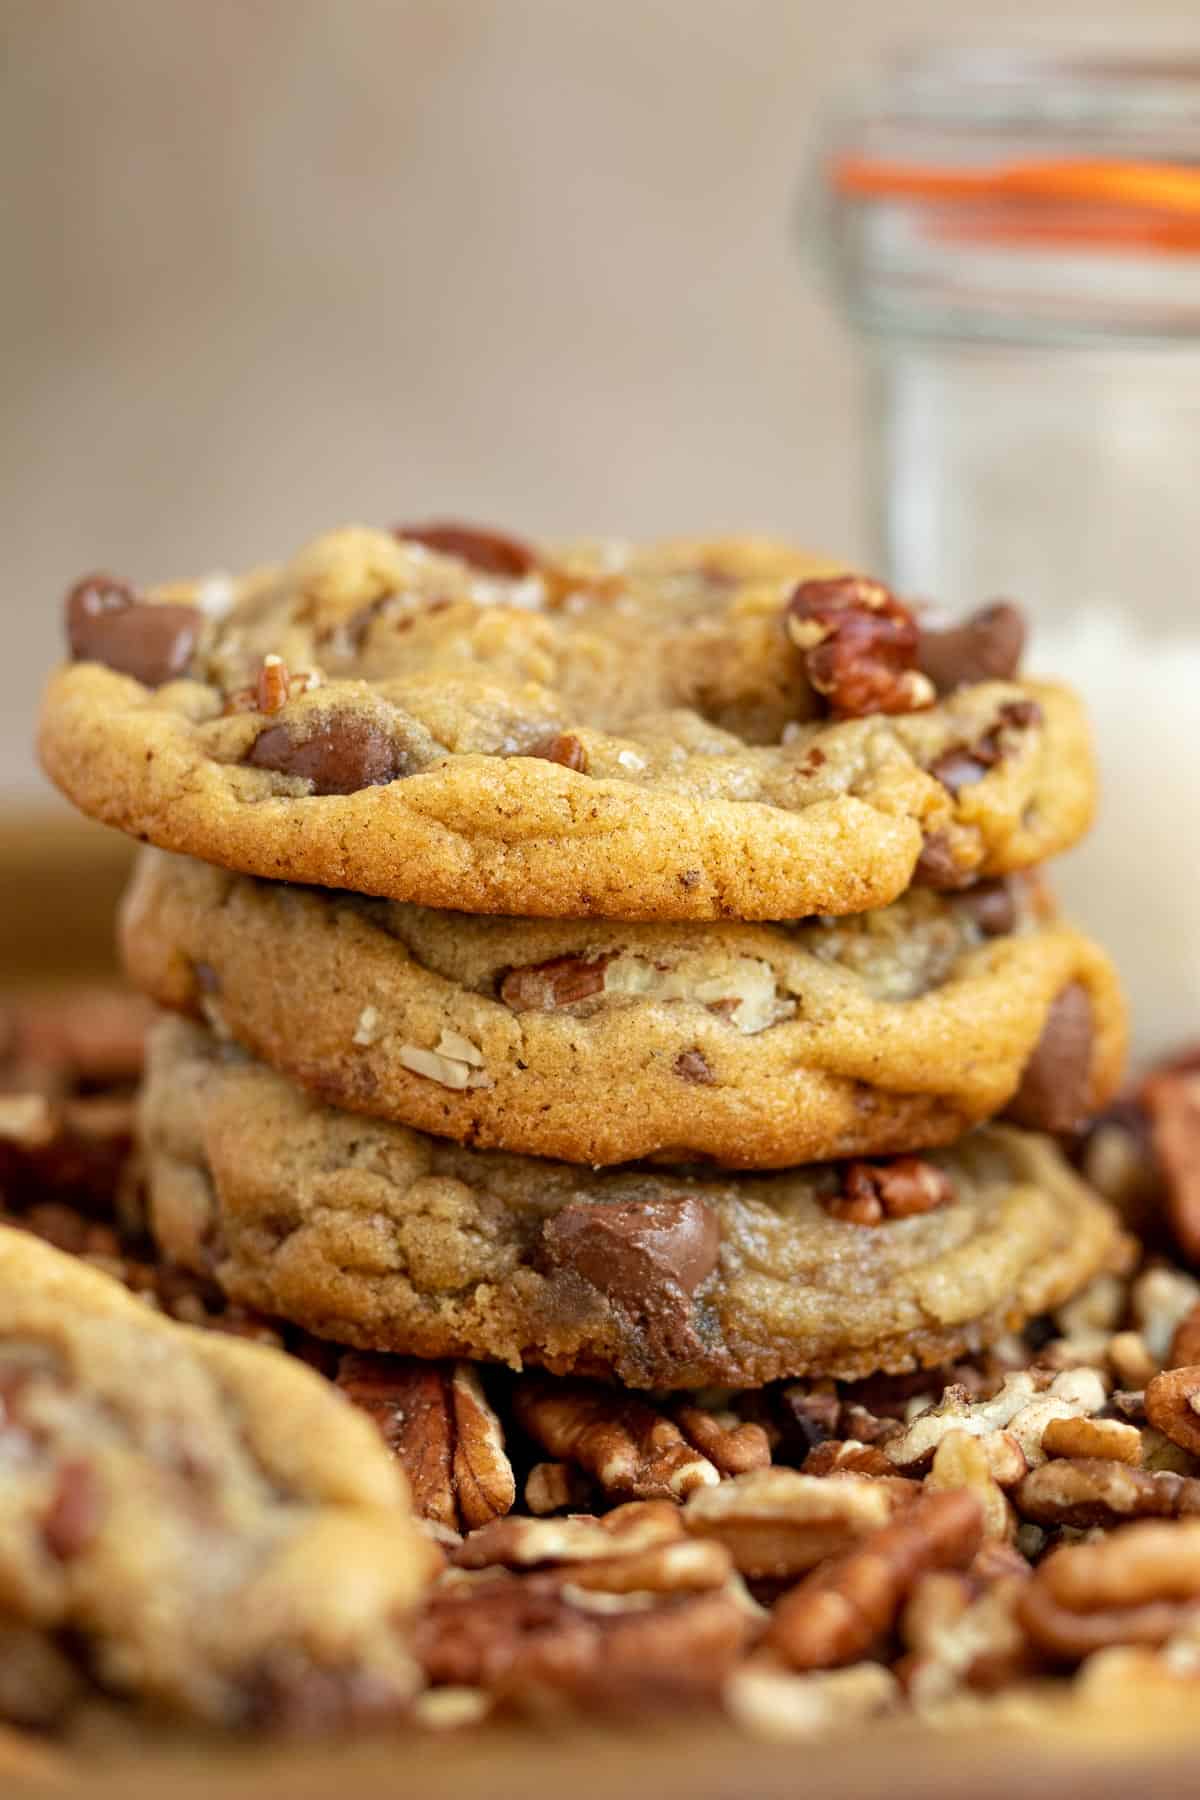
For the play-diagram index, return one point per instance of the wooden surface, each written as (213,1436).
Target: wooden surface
(61,879)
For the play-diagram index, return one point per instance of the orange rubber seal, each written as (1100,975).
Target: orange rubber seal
(1118,205)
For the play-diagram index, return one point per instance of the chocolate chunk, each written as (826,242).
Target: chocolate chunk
(107,623)
(340,753)
(73,1516)
(491,552)
(993,907)
(1056,1084)
(959,768)
(647,1257)
(987,646)
(936,867)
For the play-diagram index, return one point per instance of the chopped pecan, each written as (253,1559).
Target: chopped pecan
(561,747)
(961,1463)
(872,1192)
(859,645)
(563,981)
(1086,1491)
(1018,1409)
(773,1703)
(1111,1439)
(847,1456)
(438,1421)
(274,686)
(625,1444)
(1160,1299)
(778,1523)
(840,1611)
(1138,1585)
(1173,1406)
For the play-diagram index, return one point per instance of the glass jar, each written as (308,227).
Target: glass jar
(1018,239)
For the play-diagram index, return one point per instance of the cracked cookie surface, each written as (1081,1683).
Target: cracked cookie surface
(753,1045)
(384,1238)
(593,730)
(189,1520)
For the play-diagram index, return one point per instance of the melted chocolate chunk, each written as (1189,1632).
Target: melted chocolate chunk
(491,552)
(647,1257)
(993,906)
(936,867)
(1055,1088)
(340,753)
(107,623)
(987,646)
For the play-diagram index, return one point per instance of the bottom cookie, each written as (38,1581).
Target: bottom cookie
(387,1239)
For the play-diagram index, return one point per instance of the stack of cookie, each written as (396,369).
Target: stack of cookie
(601,958)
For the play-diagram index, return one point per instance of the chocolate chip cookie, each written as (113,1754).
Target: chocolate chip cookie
(755,1045)
(186,1519)
(381,1237)
(693,730)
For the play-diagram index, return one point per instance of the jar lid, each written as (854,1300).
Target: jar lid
(1010,193)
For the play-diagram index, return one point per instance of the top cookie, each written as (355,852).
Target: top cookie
(691,730)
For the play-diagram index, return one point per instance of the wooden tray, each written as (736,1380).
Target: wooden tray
(61,879)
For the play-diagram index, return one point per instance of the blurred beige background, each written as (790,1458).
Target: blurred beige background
(276,264)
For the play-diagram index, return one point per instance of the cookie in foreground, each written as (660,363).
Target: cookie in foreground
(693,730)
(750,1045)
(381,1237)
(205,1523)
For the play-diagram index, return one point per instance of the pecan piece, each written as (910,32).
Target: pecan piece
(628,1447)
(1173,1406)
(873,1192)
(838,1612)
(778,1523)
(637,1549)
(526,1641)
(437,1420)
(561,747)
(1138,1585)
(859,645)
(563,981)
(1086,1491)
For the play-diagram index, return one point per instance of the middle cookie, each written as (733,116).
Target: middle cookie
(757,1046)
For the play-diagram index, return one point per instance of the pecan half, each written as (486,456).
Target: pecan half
(840,1611)
(777,1522)
(561,747)
(859,646)
(438,1421)
(626,1445)
(491,552)
(1173,1406)
(1138,1585)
